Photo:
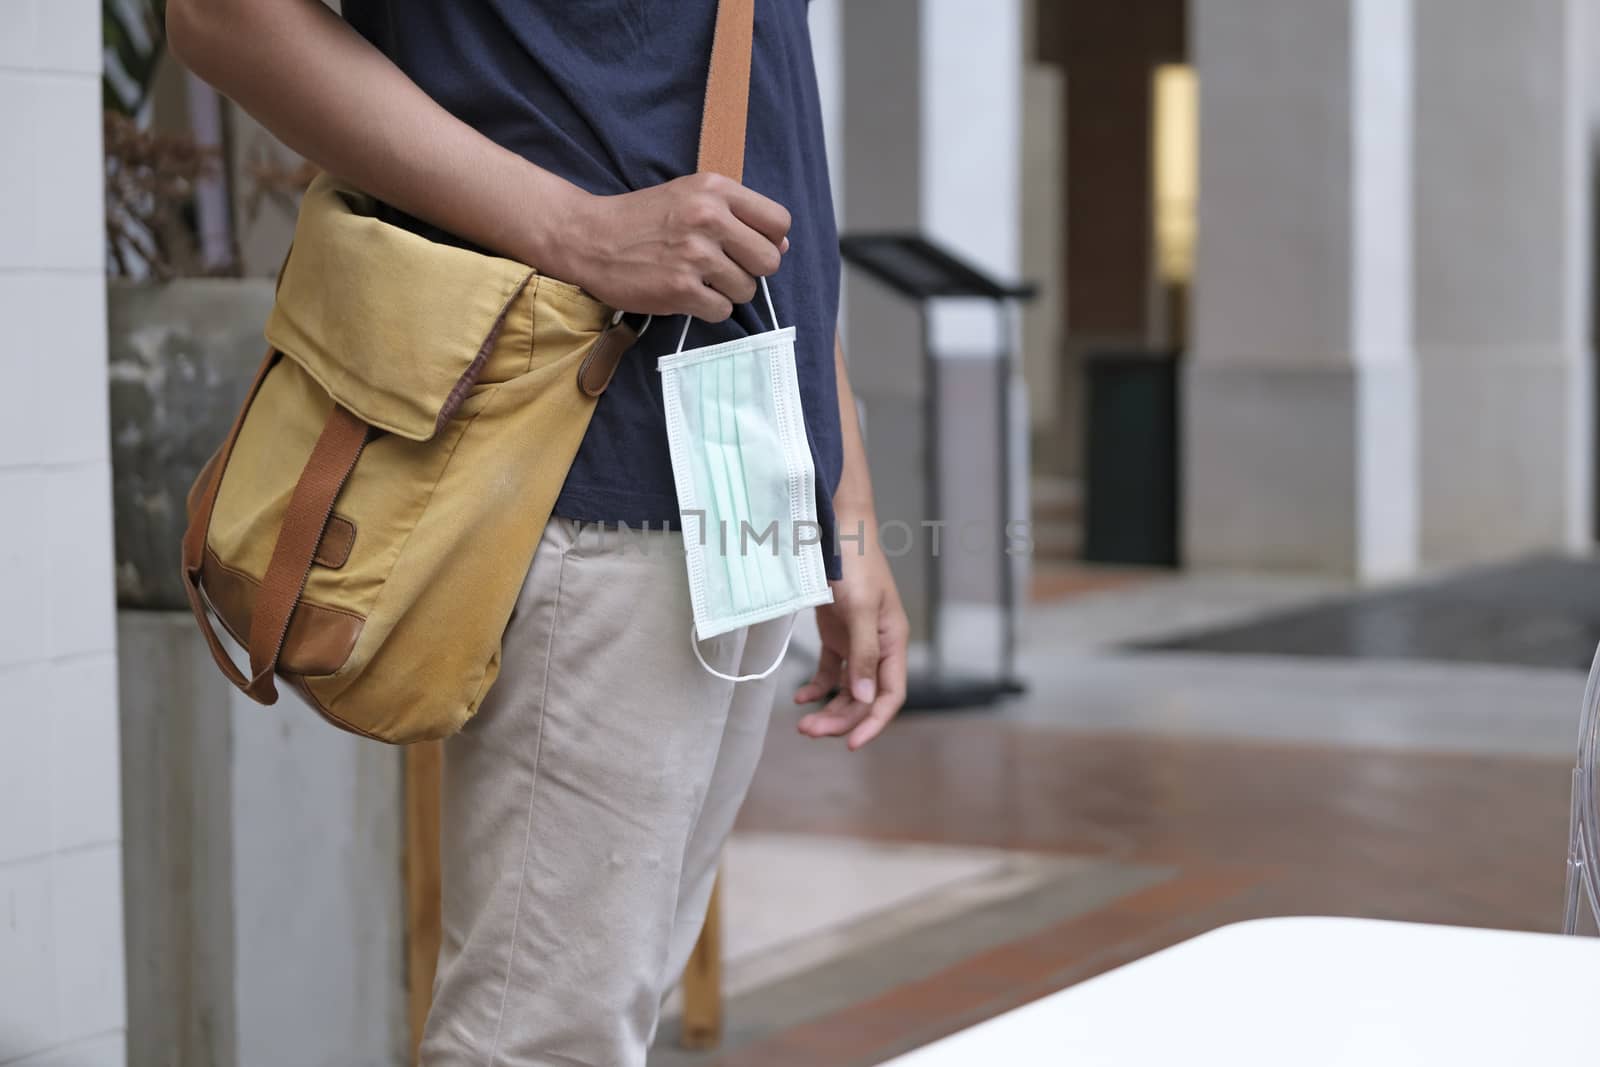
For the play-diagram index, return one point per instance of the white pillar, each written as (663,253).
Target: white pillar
(880,188)
(972,83)
(932,143)
(1502,277)
(1299,434)
(61,949)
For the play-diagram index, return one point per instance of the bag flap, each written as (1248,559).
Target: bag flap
(394,326)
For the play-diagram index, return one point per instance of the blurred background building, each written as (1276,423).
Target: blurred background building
(1301,420)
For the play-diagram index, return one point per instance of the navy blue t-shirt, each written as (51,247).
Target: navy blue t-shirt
(608,94)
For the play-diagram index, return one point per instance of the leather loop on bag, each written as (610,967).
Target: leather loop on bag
(594,374)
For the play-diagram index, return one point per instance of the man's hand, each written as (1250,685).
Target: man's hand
(864,631)
(864,635)
(695,246)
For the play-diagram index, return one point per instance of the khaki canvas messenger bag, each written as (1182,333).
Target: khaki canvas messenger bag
(365,527)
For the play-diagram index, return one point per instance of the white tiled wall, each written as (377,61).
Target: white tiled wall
(61,955)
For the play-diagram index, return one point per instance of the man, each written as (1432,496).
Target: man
(586,803)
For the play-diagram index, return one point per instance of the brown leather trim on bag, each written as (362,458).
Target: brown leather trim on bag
(201,505)
(203,479)
(299,685)
(320,639)
(601,361)
(333,551)
(469,377)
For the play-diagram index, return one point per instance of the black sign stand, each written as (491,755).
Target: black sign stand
(922,272)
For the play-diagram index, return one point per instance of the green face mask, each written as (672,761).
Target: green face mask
(746,485)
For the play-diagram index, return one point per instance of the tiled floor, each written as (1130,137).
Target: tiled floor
(1215,788)
(878,951)
(793,902)
(1062,581)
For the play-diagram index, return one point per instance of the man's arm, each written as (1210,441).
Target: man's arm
(864,631)
(691,246)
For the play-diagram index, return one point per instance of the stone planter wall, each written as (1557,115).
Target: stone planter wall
(182,355)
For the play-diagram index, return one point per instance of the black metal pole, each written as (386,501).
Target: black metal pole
(930,471)
(1008,572)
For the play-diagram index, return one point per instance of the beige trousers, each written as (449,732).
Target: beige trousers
(585,806)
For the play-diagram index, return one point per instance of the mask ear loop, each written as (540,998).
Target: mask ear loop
(694,643)
(687,319)
(772,312)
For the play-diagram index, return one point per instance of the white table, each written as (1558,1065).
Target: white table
(1311,993)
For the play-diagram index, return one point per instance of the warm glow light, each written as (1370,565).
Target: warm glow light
(1177,171)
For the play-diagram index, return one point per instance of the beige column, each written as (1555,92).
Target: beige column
(1300,426)
(1503,295)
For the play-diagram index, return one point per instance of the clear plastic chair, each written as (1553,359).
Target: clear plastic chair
(1583,847)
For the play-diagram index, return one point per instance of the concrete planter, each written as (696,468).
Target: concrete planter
(182,355)
(263,903)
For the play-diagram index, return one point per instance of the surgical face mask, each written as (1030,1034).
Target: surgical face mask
(746,484)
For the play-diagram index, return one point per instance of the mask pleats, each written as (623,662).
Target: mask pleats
(742,461)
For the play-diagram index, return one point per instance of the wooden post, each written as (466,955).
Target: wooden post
(424,762)
(702,981)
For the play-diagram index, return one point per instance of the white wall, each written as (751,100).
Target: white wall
(827,50)
(61,956)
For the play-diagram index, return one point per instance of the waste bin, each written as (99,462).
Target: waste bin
(1131,490)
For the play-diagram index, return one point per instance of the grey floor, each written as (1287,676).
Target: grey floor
(1486,661)
(1541,612)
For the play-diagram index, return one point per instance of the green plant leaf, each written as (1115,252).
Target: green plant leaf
(133,34)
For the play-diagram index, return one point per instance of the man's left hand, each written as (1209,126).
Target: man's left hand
(864,636)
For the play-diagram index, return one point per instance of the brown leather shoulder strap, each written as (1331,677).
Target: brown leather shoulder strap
(722,126)
(310,506)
